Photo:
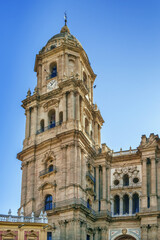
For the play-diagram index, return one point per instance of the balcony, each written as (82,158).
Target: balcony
(120,186)
(91,138)
(75,203)
(90,177)
(52,125)
(48,171)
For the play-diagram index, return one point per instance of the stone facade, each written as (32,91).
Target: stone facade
(24,228)
(87,190)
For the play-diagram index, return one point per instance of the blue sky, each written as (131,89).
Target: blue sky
(122,40)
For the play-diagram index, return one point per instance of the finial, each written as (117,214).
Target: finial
(29,93)
(65,18)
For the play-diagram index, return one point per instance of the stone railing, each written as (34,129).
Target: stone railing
(48,170)
(11,218)
(122,153)
(81,202)
(120,186)
(90,177)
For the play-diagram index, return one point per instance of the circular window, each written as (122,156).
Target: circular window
(116,182)
(135,180)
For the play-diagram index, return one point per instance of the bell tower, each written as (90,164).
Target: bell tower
(62,133)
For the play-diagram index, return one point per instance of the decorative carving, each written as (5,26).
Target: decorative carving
(47,156)
(124,231)
(49,184)
(54,103)
(28,93)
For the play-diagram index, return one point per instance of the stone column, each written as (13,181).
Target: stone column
(30,121)
(96,233)
(121,205)
(83,231)
(64,107)
(82,115)
(78,229)
(24,183)
(32,179)
(70,230)
(130,205)
(77,107)
(97,182)
(71,106)
(153,176)
(96,134)
(57,116)
(99,135)
(62,229)
(69,167)
(66,64)
(34,120)
(153,184)
(71,164)
(154,232)
(104,233)
(62,68)
(144,233)
(64,166)
(144,184)
(112,207)
(39,76)
(79,167)
(108,186)
(27,123)
(104,182)
(78,65)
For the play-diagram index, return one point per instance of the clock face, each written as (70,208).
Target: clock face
(51,85)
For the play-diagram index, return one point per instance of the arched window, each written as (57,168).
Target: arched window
(60,118)
(116,205)
(85,79)
(135,203)
(125,180)
(86,126)
(51,168)
(51,118)
(89,203)
(48,203)
(53,70)
(42,125)
(125,204)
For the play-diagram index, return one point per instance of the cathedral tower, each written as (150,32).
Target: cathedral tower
(62,134)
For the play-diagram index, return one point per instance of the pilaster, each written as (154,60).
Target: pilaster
(144,184)
(153,184)
(144,230)
(97,183)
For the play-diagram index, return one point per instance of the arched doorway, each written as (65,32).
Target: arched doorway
(125,237)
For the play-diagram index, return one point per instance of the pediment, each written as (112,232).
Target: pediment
(47,185)
(53,102)
(48,155)
(149,143)
(9,234)
(32,235)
